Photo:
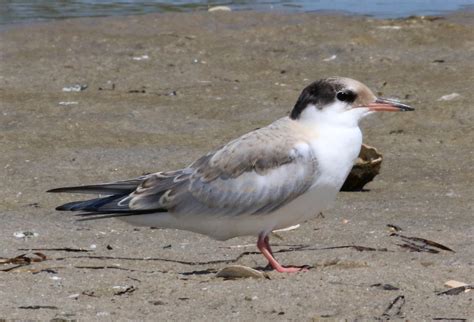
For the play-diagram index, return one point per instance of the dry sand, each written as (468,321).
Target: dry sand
(209,78)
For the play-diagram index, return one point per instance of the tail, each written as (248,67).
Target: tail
(119,187)
(114,204)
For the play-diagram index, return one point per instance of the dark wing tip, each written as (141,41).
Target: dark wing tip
(56,190)
(74,206)
(74,189)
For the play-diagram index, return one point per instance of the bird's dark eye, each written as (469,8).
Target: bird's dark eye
(346,96)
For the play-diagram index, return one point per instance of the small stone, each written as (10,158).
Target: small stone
(75,88)
(219,8)
(25,234)
(333,57)
(157,302)
(390,27)
(454,284)
(67,103)
(449,97)
(142,57)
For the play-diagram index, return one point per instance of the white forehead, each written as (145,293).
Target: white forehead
(351,84)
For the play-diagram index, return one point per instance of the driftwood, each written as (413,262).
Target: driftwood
(364,170)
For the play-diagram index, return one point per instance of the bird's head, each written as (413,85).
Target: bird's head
(340,101)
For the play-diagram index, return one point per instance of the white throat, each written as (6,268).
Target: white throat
(337,140)
(335,114)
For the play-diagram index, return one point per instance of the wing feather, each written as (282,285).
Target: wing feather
(110,188)
(257,173)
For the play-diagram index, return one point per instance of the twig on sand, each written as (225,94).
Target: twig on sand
(394,309)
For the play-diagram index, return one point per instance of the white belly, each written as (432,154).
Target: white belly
(223,227)
(319,198)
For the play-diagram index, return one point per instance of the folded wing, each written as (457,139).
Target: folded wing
(256,173)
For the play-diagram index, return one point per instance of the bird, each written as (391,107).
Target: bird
(273,177)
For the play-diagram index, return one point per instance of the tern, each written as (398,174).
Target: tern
(268,179)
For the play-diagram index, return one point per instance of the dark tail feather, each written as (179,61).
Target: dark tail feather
(112,188)
(114,204)
(104,215)
(108,204)
(106,207)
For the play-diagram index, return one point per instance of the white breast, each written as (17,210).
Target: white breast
(336,149)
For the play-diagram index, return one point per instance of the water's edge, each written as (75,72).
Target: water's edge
(14,13)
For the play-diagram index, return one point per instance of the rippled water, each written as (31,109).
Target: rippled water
(14,11)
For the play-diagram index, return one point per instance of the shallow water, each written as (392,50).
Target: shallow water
(15,11)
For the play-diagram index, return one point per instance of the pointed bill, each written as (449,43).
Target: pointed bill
(388,105)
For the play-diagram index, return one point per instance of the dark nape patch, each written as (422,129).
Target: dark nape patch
(319,93)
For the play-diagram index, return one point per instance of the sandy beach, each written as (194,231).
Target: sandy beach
(160,90)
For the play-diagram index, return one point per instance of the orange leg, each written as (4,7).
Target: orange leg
(264,246)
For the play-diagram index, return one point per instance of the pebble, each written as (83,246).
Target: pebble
(68,103)
(449,97)
(333,57)
(142,57)
(25,234)
(75,88)
(390,27)
(219,8)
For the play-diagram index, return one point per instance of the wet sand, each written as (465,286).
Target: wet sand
(209,78)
